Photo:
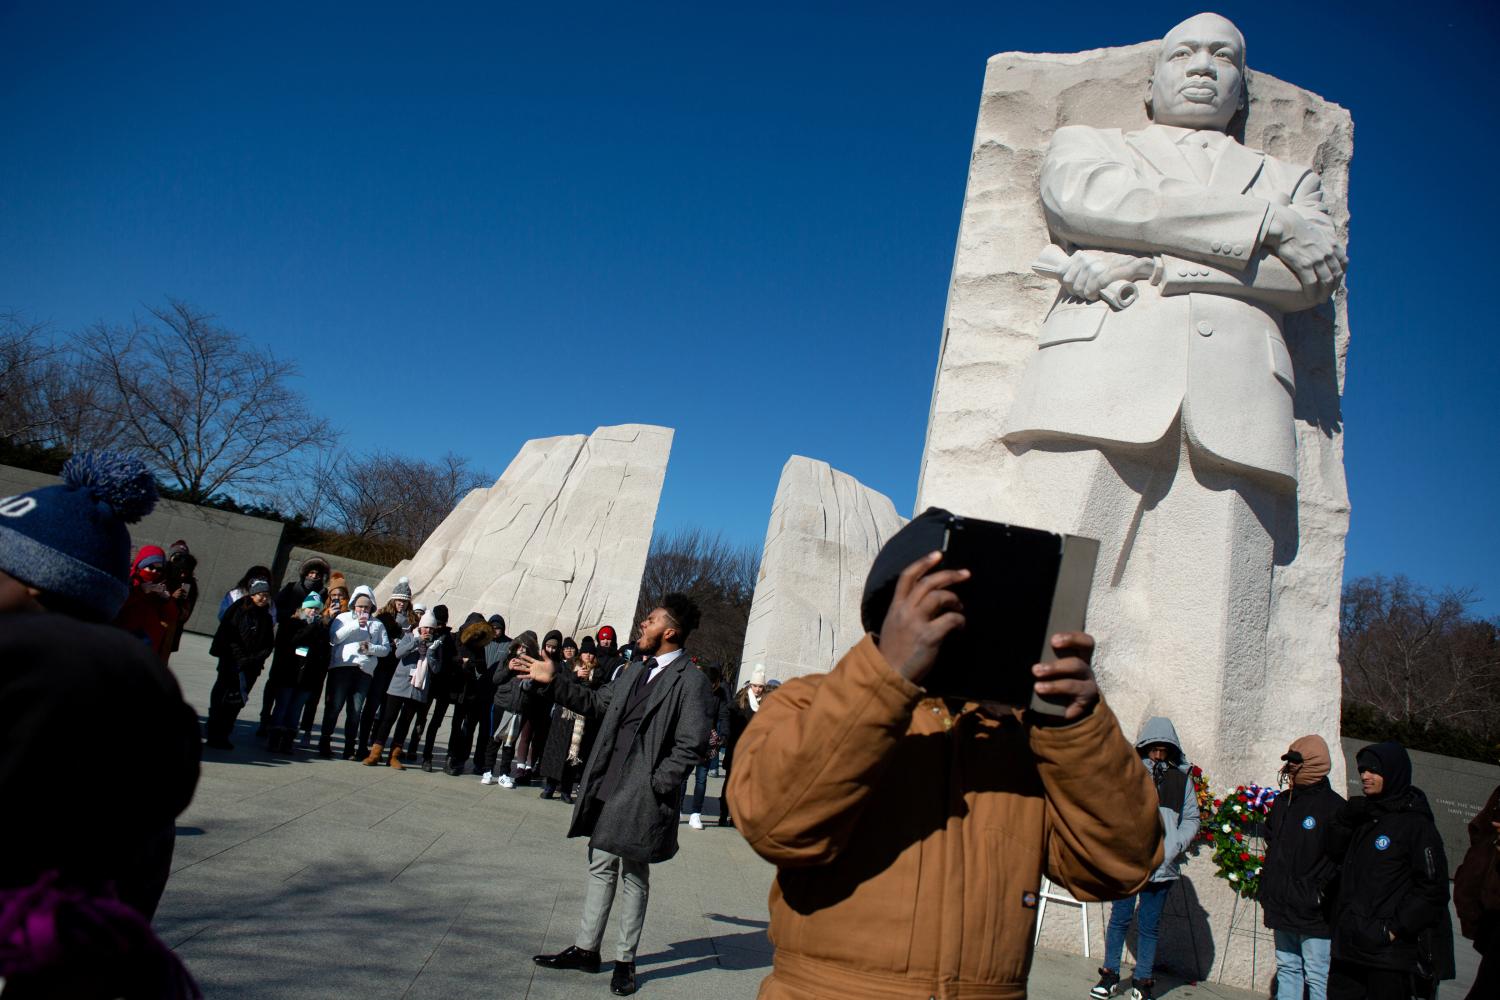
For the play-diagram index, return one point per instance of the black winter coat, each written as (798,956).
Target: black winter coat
(291,596)
(1394,880)
(244,638)
(446,684)
(1296,880)
(63,676)
(739,717)
(468,683)
(294,633)
(385,667)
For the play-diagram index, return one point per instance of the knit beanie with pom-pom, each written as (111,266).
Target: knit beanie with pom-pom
(70,541)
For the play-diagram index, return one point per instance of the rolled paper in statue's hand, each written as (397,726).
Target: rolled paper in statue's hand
(1053,262)
(1119,294)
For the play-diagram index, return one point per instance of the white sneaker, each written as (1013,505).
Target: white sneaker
(488,779)
(696,821)
(506,781)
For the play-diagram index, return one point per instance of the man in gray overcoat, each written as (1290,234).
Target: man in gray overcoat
(654,731)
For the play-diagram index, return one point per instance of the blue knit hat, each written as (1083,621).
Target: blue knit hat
(70,540)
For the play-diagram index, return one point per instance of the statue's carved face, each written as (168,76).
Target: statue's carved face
(1200,74)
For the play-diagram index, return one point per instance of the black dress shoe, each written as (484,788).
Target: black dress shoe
(571,957)
(218,743)
(622,983)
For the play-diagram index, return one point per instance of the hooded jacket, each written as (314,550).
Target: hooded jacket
(469,680)
(244,639)
(1297,875)
(1392,909)
(910,842)
(1177,800)
(506,686)
(150,615)
(345,634)
(291,596)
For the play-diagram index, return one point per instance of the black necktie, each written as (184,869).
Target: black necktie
(650,665)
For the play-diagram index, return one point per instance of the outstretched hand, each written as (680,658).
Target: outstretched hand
(1070,676)
(541,670)
(922,613)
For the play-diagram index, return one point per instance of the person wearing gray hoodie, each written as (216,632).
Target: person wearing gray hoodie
(1177,802)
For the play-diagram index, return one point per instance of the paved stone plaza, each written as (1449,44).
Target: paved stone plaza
(313,878)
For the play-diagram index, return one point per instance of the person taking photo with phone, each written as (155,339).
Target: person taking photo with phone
(359,641)
(911,834)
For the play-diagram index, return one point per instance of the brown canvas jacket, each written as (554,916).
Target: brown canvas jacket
(910,842)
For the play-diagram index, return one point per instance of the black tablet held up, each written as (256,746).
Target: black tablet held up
(1027,585)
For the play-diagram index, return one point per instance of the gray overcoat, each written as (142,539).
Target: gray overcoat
(640,819)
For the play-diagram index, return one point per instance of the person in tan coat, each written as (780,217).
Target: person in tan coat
(911,835)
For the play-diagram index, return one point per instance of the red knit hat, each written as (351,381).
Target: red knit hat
(607,633)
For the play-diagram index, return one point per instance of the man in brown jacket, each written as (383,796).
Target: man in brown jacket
(911,835)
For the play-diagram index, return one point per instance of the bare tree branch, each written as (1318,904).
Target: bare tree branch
(718,575)
(212,414)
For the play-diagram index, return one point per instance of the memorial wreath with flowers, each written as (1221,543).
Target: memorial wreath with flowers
(1234,827)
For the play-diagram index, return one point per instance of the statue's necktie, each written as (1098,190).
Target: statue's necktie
(1195,151)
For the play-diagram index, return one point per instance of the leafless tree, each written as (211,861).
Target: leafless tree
(716,573)
(387,498)
(27,363)
(209,412)
(1418,656)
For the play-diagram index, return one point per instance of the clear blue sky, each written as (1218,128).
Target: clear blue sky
(474,224)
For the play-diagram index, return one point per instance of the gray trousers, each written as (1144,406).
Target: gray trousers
(605,869)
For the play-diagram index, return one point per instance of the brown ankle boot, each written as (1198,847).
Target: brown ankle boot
(375,751)
(396,764)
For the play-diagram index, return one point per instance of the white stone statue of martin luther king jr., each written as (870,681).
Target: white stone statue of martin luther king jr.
(1161,423)
(1221,241)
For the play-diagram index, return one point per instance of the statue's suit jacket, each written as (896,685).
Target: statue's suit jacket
(1204,337)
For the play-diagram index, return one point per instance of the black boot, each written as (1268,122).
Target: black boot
(325,748)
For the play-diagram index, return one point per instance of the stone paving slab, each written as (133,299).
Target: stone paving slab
(298,878)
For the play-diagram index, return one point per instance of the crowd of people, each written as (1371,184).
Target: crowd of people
(909,833)
(394,672)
